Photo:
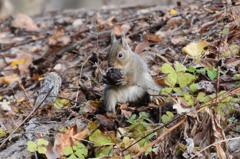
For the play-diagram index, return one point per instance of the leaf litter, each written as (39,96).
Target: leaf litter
(192,49)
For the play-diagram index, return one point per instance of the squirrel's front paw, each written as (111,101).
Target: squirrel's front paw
(114,76)
(121,82)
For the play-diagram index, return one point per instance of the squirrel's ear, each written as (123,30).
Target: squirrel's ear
(113,37)
(124,43)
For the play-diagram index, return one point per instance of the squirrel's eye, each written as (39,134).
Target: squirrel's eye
(120,54)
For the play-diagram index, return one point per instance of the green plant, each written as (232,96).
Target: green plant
(39,145)
(78,151)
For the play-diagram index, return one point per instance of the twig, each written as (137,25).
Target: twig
(25,93)
(158,139)
(213,144)
(29,115)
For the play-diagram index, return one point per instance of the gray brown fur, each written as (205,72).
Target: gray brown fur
(136,81)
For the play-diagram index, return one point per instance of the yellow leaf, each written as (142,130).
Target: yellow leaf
(17,62)
(173,11)
(195,49)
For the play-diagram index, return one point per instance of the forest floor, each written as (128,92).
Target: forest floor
(192,50)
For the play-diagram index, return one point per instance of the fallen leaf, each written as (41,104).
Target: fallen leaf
(173,11)
(195,49)
(9,79)
(24,22)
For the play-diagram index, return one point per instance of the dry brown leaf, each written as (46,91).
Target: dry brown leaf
(152,37)
(106,121)
(81,135)
(219,135)
(117,30)
(141,47)
(24,22)
(121,29)
(9,79)
(91,106)
(63,140)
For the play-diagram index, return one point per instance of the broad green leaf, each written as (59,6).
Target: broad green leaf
(31,146)
(143,143)
(170,114)
(42,142)
(201,70)
(167,68)
(72,156)
(79,153)
(193,88)
(171,79)
(212,73)
(188,98)
(42,149)
(2,133)
(200,96)
(185,78)
(191,69)
(60,103)
(127,156)
(103,151)
(132,119)
(68,150)
(166,90)
(167,117)
(177,90)
(100,139)
(180,67)
(144,115)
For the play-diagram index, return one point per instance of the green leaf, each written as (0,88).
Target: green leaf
(79,153)
(132,119)
(100,139)
(60,103)
(200,96)
(170,114)
(212,73)
(188,98)
(2,133)
(72,156)
(201,70)
(234,49)
(68,150)
(193,88)
(167,117)
(165,91)
(42,149)
(31,146)
(185,78)
(171,79)
(225,31)
(180,67)
(238,128)
(144,115)
(191,69)
(127,156)
(103,151)
(42,142)
(167,68)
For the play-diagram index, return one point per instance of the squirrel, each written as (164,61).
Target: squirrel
(133,82)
